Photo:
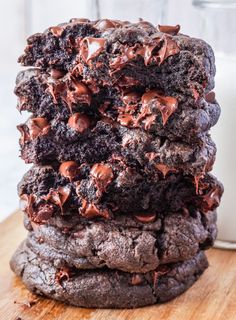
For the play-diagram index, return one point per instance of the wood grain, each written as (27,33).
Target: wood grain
(212,297)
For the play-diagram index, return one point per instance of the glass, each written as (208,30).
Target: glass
(218,28)
(40,14)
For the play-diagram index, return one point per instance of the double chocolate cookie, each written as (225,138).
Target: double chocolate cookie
(105,288)
(73,102)
(108,189)
(128,243)
(112,52)
(119,203)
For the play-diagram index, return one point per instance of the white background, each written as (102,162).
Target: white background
(17,19)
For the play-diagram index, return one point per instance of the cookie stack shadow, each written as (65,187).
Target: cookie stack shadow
(119,203)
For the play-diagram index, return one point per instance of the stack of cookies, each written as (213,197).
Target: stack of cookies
(119,202)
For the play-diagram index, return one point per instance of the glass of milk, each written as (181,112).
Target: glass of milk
(218,28)
(41,14)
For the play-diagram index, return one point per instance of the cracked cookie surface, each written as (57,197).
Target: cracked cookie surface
(105,288)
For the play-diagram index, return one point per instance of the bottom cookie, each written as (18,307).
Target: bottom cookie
(105,288)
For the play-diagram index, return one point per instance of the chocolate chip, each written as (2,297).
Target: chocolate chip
(146,218)
(91,48)
(105,24)
(69,169)
(136,279)
(38,127)
(172,30)
(89,210)
(211,200)
(58,197)
(63,274)
(165,104)
(131,98)
(56,31)
(102,174)
(210,97)
(79,122)
(164,169)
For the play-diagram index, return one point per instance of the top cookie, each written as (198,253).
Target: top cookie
(111,52)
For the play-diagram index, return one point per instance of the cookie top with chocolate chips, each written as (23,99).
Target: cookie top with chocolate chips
(111,52)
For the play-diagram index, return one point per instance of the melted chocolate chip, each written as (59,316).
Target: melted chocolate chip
(211,200)
(37,127)
(71,91)
(165,104)
(149,121)
(89,210)
(69,169)
(126,120)
(91,48)
(76,92)
(154,52)
(146,218)
(36,214)
(79,122)
(33,129)
(136,279)
(131,98)
(59,196)
(102,175)
(164,169)
(63,274)
(210,97)
(56,31)
(172,30)
(44,213)
(160,271)
(105,24)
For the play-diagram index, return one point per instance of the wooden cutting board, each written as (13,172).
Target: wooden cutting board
(213,297)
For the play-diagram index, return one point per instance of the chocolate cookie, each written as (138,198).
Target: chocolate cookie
(106,189)
(120,53)
(175,117)
(141,248)
(81,141)
(105,288)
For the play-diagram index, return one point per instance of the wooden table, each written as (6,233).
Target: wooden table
(213,297)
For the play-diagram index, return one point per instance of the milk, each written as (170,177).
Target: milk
(224,135)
